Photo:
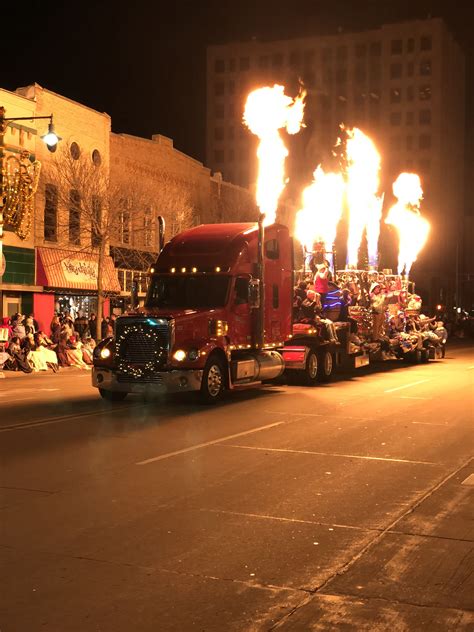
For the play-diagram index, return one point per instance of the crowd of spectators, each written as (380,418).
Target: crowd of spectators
(68,343)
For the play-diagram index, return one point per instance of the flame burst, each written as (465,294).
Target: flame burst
(406,218)
(365,207)
(268,110)
(322,210)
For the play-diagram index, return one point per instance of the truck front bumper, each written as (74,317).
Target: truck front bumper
(161,382)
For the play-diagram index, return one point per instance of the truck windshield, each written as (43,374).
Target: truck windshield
(188,291)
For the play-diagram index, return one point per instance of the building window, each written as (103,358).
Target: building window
(74,217)
(263,61)
(277,60)
(96,158)
(124,227)
(425,68)
(395,95)
(409,142)
(410,45)
(219,156)
(231,86)
(410,69)
(424,117)
(75,150)
(219,65)
(409,118)
(360,74)
(219,88)
(96,221)
(375,49)
(395,118)
(360,50)
(219,110)
(230,110)
(425,93)
(244,63)
(424,142)
(396,47)
(341,53)
(410,93)
(425,43)
(295,59)
(341,74)
(232,65)
(51,213)
(326,54)
(309,56)
(395,71)
(219,133)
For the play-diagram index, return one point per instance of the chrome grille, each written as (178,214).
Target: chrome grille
(141,342)
(153,378)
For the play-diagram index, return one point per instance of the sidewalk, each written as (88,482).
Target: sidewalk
(68,370)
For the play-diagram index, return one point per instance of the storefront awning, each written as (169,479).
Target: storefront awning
(69,269)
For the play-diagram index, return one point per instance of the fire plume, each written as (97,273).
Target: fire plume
(267,111)
(321,210)
(405,216)
(365,206)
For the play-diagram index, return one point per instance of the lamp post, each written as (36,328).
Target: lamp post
(19,179)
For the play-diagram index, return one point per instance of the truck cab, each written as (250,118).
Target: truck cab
(219,304)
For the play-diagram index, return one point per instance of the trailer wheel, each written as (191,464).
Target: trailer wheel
(425,355)
(213,381)
(112,396)
(325,366)
(418,356)
(309,375)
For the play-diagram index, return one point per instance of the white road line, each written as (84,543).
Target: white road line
(427,423)
(168,455)
(399,388)
(345,456)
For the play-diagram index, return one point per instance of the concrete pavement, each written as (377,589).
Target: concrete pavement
(346,506)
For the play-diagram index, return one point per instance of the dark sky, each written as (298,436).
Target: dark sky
(144,62)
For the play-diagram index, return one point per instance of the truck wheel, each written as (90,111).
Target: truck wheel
(417,356)
(213,381)
(309,375)
(112,396)
(425,355)
(325,366)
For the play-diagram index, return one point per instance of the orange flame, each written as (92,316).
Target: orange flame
(268,110)
(365,207)
(405,216)
(322,210)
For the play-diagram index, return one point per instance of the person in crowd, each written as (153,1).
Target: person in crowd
(35,322)
(30,326)
(18,328)
(378,299)
(81,324)
(55,329)
(74,353)
(88,346)
(112,321)
(45,345)
(107,328)
(5,329)
(346,302)
(35,355)
(62,349)
(18,356)
(93,326)
(321,285)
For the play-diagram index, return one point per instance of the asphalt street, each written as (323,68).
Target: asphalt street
(347,506)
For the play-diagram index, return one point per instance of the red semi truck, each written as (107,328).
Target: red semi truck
(218,315)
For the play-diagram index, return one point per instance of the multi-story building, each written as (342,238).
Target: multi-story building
(401,83)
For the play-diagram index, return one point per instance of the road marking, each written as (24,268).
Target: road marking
(55,420)
(282,519)
(427,423)
(168,455)
(469,480)
(346,456)
(399,388)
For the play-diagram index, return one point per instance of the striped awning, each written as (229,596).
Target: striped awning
(69,269)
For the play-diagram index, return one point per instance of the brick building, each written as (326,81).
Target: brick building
(402,83)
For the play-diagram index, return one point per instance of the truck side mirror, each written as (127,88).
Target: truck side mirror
(254,293)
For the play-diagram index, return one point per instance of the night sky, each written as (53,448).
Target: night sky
(144,62)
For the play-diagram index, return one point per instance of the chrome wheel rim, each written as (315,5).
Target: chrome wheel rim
(312,366)
(328,363)
(214,380)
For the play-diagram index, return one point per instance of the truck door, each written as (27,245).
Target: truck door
(240,318)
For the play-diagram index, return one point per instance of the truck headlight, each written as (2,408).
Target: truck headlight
(105,353)
(179,355)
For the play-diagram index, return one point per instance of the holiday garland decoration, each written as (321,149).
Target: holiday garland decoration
(20,178)
(133,370)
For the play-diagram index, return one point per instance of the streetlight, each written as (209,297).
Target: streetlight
(19,180)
